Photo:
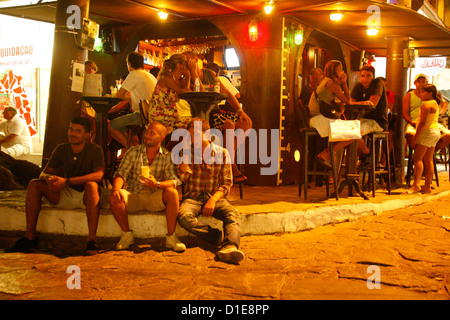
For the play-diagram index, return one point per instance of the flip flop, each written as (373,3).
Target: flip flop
(239,178)
(326,163)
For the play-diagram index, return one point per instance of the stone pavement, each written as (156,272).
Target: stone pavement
(407,250)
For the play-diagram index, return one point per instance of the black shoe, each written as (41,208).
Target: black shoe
(23,245)
(214,237)
(91,248)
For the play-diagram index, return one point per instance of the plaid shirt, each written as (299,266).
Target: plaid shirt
(130,168)
(208,178)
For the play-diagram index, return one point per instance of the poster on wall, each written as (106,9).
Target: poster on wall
(25,48)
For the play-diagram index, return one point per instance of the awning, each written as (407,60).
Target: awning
(419,22)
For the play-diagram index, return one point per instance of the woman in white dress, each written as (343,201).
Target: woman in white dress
(333,85)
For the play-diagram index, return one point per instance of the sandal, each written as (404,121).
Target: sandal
(326,163)
(239,178)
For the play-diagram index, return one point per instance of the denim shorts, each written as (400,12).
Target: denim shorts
(131,119)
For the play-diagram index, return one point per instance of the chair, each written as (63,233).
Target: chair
(376,141)
(410,168)
(305,164)
(138,130)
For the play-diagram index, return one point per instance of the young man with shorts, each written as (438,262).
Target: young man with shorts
(157,192)
(69,181)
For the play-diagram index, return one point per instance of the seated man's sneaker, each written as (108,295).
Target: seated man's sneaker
(23,245)
(230,254)
(125,241)
(172,242)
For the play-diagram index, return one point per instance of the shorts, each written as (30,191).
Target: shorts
(409,129)
(16,150)
(429,137)
(369,126)
(70,199)
(131,119)
(144,200)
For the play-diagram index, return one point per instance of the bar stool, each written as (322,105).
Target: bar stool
(305,135)
(376,141)
(410,168)
(132,130)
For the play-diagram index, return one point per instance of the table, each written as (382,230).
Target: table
(354,112)
(202,103)
(102,105)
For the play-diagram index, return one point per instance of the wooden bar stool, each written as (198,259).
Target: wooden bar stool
(376,141)
(305,135)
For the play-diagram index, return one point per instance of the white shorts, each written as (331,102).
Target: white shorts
(145,200)
(16,150)
(70,199)
(429,137)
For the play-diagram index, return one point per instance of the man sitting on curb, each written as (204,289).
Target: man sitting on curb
(15,139)
(206,185)
(155,192)
(83,166)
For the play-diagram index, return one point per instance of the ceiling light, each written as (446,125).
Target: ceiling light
(162,15)
(336,16)
(268,7)
(372,32)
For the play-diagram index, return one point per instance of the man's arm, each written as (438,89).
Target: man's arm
(405,108)
(95,176)
(122,94)
(8,138)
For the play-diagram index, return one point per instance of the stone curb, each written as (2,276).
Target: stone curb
(149,225)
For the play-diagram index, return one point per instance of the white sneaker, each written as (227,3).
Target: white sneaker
(230,254)
(172,242)
(126,240)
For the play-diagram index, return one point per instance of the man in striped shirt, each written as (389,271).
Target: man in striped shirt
(156,192)
(207,180)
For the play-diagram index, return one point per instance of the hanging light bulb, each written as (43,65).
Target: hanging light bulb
(372,32)
(268,7)
(162,14)
(298,35)
(253,30)
(336,16)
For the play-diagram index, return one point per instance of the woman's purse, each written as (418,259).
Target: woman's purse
(326,109)
(344,130)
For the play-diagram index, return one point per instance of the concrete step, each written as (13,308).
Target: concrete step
(262,219)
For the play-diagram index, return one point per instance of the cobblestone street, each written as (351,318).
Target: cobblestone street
(407,250)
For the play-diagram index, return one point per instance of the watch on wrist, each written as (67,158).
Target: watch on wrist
(158,184)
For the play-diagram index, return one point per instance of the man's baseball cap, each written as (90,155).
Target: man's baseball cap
(420,75)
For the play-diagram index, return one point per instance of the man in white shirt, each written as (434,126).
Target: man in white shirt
(15,139)
(140,84)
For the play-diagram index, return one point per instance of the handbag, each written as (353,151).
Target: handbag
(344,130)
(326,109)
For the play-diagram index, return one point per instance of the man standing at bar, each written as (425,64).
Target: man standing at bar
(140,84)
(372,92)
(157,192)
(206,185)
(83,166)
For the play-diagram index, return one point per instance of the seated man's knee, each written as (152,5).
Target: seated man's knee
(170,194)
(91,186)
(36,184)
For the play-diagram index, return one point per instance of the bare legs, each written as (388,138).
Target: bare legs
(170,199)
(423,159)
(38,188)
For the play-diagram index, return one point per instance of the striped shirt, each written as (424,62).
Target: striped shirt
(162,168)
(208,178)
